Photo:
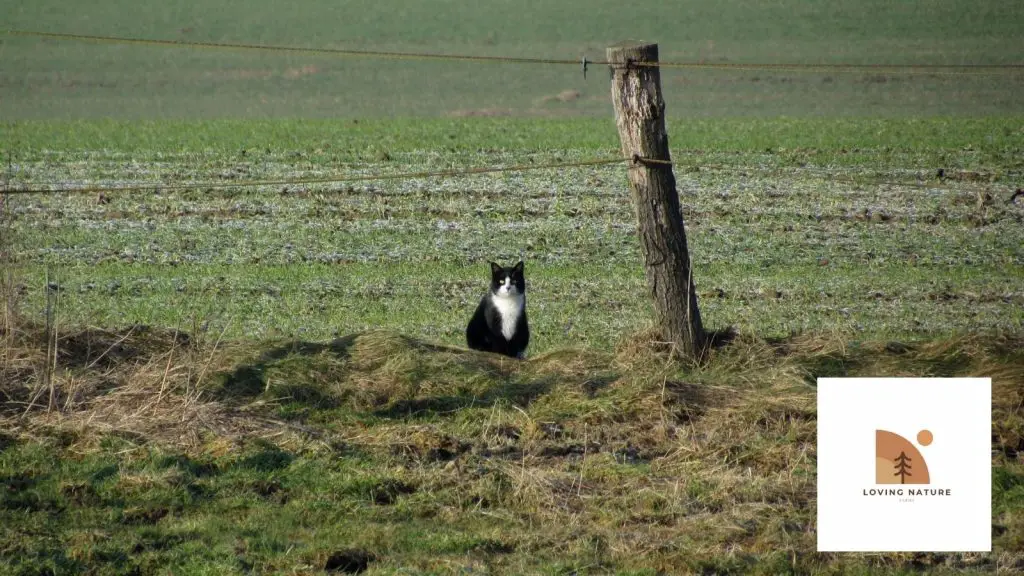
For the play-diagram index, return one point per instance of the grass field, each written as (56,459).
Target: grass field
(271,379)
(59,79)
(288,399)
(794,235)
(395,456)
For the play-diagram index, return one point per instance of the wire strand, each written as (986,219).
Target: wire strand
(928,69)
(299,49)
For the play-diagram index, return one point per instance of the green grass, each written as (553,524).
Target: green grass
(68,80)
(882,142)
(393,453)
(270,379)
(273,388)
(789,226)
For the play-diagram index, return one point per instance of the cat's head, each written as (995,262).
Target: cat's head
(507,281)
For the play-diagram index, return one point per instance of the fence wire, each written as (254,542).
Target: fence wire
(931,69)
(13,189)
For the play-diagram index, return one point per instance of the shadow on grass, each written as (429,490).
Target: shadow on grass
(519,393)
(352,361)
(107,348)
(268,459)
(196,468)
(687,402)
(876,359)
(26,492)
(7,441)
(829,366)
(721,338)
(250,380)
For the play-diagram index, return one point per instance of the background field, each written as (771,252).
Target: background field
(788,232)
(270,379)
(58,79)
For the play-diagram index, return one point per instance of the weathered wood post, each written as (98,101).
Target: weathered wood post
(640,116)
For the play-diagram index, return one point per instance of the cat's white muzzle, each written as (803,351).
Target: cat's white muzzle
(507,289)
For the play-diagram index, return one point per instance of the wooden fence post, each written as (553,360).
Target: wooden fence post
(640,117)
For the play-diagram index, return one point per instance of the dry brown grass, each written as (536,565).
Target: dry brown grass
(139,381)
(627,456)
(162,384)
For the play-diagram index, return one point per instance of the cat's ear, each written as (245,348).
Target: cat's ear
(495,269)
(518,268)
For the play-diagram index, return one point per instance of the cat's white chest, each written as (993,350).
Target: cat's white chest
(509,308)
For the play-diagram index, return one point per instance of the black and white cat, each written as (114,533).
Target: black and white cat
(499,323)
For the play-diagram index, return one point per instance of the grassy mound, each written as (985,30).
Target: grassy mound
(145,449)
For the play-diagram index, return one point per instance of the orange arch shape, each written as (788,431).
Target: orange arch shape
(888,447)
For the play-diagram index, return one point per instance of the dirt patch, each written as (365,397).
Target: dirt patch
(144,515)
(387,492)
(81,494)
(105,348)
(270,489)
(430,446)
(563,96)
(351,561)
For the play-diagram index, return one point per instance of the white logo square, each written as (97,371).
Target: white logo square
(904,464)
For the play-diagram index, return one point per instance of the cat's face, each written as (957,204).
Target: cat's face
(507,281)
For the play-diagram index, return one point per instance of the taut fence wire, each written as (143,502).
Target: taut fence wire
(931,69)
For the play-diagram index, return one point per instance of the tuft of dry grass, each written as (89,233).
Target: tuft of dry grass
(139,380)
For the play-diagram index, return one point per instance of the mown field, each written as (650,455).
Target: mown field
(271,380)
